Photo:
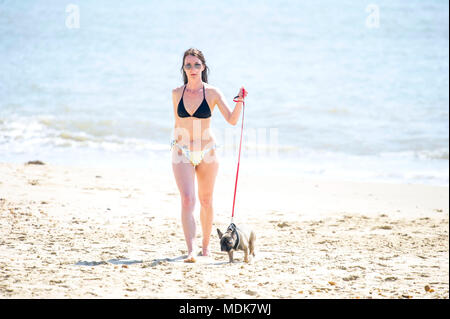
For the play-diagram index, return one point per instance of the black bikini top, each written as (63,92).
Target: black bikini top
(202,112)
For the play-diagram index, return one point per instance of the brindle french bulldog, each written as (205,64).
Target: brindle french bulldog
(235,239)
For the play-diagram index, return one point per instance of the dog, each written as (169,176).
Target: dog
(236,239)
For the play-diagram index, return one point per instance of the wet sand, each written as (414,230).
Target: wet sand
(73,232)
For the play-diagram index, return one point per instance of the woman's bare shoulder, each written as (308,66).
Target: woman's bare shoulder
(212,89)
(178,90)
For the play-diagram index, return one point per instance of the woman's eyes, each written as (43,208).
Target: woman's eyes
(197,65)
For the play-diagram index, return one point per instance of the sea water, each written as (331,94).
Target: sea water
(345,89)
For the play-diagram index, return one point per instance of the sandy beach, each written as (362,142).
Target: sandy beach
(76,232)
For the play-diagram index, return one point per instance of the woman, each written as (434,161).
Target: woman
(193,147)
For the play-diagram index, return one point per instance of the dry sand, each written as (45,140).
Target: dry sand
(73,232)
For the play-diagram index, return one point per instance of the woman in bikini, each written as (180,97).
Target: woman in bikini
(194,146)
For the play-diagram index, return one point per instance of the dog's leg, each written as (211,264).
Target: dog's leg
(230,255)
(251,243)
(246,255)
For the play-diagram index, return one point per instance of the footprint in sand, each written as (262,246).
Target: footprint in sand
(33,182)
(283,224)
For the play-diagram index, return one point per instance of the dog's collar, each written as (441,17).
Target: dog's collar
(233,227)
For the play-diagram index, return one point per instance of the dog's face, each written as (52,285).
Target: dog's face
(227,240)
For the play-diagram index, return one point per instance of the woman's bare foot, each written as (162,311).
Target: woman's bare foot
(190,259)
(205,252)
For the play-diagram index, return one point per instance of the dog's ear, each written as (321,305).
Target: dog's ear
(220,233)
(234,235)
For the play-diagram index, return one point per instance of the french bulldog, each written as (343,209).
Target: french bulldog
(236,239)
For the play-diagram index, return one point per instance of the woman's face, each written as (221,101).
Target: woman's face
(193,67)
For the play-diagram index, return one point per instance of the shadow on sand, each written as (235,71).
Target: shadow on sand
(111,261)
(155,262)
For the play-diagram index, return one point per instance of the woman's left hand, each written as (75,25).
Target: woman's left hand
(242,94)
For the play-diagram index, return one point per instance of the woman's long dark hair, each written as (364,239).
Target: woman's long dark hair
(198,54)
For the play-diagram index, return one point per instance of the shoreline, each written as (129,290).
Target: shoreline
(93,232)
(386,168)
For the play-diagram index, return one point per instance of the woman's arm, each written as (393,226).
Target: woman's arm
(174,101)
(231,117)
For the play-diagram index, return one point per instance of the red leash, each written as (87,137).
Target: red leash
(240,144)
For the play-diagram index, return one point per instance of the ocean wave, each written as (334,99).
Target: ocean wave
(73,137)
(440,154)
(24,136)
(436,154)
(338,110)
(21,134)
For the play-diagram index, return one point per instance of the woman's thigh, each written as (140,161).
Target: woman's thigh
(184,174)
(206,173)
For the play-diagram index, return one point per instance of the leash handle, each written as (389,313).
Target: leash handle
(240,144)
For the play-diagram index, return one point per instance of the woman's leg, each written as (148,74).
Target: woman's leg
(206,175)
(184,174)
